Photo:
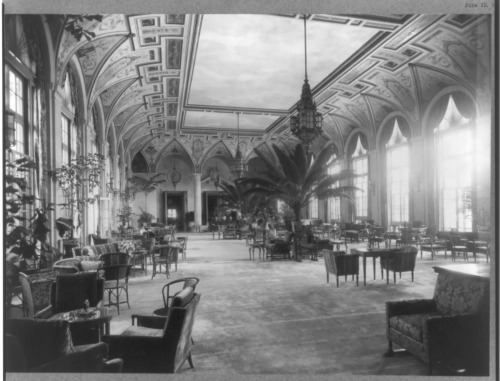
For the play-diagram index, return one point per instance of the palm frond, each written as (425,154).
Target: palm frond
(289,165)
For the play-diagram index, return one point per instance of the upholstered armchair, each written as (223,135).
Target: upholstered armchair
(448,329)
(341,264)
(150,350)
(400,261)
(34,345)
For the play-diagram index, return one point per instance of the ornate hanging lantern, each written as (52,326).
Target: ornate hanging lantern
(308,123)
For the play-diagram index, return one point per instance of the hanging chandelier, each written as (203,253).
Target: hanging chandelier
(151,152)
(175,176)
(307,124)
(238,166)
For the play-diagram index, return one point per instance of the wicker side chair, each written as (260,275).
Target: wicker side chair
(341,264)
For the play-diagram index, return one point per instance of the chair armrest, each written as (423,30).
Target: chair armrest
(453,337)
(409,307)
(45,313)
(85,358)
(437,326)
(121,345)
(149,321)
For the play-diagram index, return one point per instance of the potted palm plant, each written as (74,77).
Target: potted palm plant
(295,179)
(27,242)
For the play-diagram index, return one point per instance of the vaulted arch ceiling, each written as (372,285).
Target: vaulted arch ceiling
(165,77)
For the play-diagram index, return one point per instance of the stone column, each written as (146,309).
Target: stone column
(197,200)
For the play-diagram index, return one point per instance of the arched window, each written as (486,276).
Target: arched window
(398,177)
(334,167)
(360,167)
(454,149)
(16,103)
(69,135)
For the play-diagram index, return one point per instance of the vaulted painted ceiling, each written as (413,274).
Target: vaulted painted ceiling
(164,78)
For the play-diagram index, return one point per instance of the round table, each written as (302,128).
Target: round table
(85,328)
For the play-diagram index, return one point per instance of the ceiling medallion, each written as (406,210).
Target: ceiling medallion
(307,124)
(238,166)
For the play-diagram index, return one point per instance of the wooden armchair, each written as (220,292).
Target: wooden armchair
(432,245)
(341,264)
(150,350)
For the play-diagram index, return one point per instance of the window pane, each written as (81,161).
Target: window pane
(454,175)
(398,176)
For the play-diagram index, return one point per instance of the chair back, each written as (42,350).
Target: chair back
(37,291)
(183,242)
(323,244)
(340,263)
(457,240)
(111,259)
(67,266)
(73,289)
(171,289)
(67,245)
(401,260)
(96,240)
(178,329)
(116,272)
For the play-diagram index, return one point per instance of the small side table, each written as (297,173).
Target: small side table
(87,329)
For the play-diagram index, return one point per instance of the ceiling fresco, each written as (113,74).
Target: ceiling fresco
(172,80)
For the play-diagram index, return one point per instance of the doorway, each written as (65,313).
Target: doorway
(174,206)
(210,202)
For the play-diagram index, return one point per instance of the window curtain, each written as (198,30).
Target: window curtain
(354,141)
(464,105)
(388,129)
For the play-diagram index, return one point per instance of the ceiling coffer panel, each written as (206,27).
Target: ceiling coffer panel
(187,76)
(68,45)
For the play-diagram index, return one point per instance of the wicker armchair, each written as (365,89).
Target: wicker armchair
(341,264)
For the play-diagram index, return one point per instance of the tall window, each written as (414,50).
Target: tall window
(398,177)
(334,202)
(360,167)
(454,154)
(16,103)
(313,207)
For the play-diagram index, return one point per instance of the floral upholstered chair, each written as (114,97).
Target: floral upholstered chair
(447,329)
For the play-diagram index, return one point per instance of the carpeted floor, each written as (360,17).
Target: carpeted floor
(281,317)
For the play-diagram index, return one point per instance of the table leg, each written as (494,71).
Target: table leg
(374,267)
(387,272)
(364,270)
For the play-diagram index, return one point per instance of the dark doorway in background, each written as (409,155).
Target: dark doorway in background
(210,201)
(175,209)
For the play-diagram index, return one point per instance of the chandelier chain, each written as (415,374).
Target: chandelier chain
(305,45)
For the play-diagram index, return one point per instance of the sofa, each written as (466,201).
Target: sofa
(34,345)
(76,265)
(450,330)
